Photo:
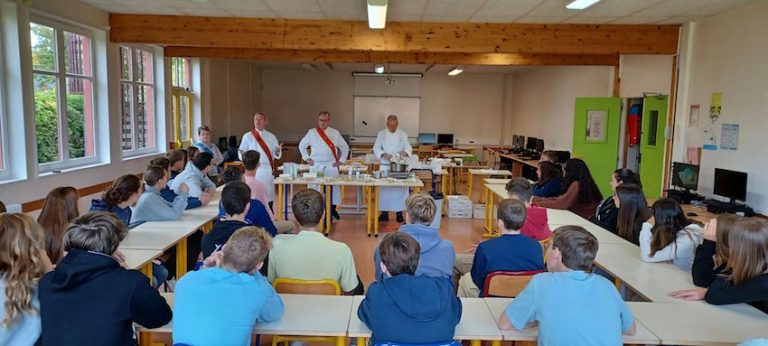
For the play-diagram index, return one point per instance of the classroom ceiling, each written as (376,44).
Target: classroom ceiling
(474,11)
(392,68)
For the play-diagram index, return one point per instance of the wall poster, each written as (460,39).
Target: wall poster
(597,124)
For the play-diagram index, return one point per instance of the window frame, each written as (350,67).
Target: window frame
(5,169)
(134,151)
(67,163)
(178,93)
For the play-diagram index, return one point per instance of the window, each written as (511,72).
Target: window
(137,100)
(182,97)
(63,93)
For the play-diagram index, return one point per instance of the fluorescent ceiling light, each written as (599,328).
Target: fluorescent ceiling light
(580,4)
(378,68)
(377,14)
(456,70)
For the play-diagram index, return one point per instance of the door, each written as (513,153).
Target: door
(596,137)
(653,144)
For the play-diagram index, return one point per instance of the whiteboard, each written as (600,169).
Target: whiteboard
(371,114)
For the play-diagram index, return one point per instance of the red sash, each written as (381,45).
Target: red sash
(264,147)
(329,143)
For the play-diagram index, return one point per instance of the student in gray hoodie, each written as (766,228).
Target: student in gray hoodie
(437,255)
(151,205)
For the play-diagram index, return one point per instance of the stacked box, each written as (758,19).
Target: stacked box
(459,207)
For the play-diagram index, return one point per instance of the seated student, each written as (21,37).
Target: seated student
(167,193)
(234,199)
(258,190)
(22,262)
(119,197)
(633,211)
(536,222)
(437,255)
(607,212)
(712,255)
(151,205)
(90,298)
(747,279)
(550,179)
(232,154)
(549,156)
(177,160)
(581,193)
(511,251)
(309,255)
(572,305)
(194,175)
(221,303)
(60,207)
(404,308)
(192,151)
(257,214)
(668,236)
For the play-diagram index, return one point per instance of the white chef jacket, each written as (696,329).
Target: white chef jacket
(391,198)
(323,156)
(264,172)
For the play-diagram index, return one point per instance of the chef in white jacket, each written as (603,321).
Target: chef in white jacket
(389,142)
(271,150)
(329,151)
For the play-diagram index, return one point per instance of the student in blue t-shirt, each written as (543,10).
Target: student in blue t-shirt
(512,251)
(571,305)
(220,304)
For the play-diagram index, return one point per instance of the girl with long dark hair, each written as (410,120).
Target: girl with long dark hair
(581,193)
(668,236)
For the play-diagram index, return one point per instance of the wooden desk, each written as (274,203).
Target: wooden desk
(565,217)
(476,324)
(643,335)
(518,163)
(603,236)
(483,172)
(698,323)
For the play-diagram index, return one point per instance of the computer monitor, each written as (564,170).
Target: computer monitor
(427,138)
(685,175)
(539,145)
(521,141)
(514,141)
(531,143)
(445,138)
(730,184)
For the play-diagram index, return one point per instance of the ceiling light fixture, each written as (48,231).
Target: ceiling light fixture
(377,13)
(378,68)
(580,4)
(455,71)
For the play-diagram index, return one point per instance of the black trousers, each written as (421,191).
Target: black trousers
(194,246)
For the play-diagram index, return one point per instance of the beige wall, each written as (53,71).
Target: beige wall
(231,94)
(728,55)
(543,100)
(642,74)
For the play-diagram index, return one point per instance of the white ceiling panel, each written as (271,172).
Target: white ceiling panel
(638,20)
(301,15)
(299,6)
(452,8)
(236,5)
(588,20)
(540,19)
(675,20)
(512,8)
(254,14)
(552,8)
(618,8)
(344,9)
(494,19)
(409,9)
(192,11)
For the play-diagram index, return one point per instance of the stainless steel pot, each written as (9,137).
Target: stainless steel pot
(397,167)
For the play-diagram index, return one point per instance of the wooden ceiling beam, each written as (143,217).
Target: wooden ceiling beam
(256,33)
(392,57)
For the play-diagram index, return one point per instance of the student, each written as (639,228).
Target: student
(581,194)
(22,262)
(572,305)
(437,255)
(234,199)
(258,190)
(194,175)
(177,160)
(257,214)
(60,207)
(633,211)
(205,145)
(511,251)
(550,180)
(232,154)
(747,281)
(90,298)
(607,213)
(192,151)
(712,255)
(119,197)
(151,205)
(536,222)
(309,255)
(549,156)
(167,193)
(669,236)
(404,308)
(221,303)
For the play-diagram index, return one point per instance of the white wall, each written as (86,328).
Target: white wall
(642,74)
(729,55)
(231,94)
(543,100)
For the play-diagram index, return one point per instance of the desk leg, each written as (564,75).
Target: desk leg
(328,191)
(491,226)
(375,211)
(147,270)
(280,188)
(207,227)
(444,190)
(617,282)
(476,343)
(368,208)
(469,194)
(181,258)
(341,341)
(496,343)
(145,339)
(487,215)
(362,341)
(341,194)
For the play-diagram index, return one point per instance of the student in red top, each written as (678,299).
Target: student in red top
(581,194)
(536,222)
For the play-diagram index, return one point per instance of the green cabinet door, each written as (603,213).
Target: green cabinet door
(596,137)
(653,144)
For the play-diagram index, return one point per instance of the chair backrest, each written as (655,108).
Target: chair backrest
(507,283)
(544,246)
(237,164)
(297,286)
